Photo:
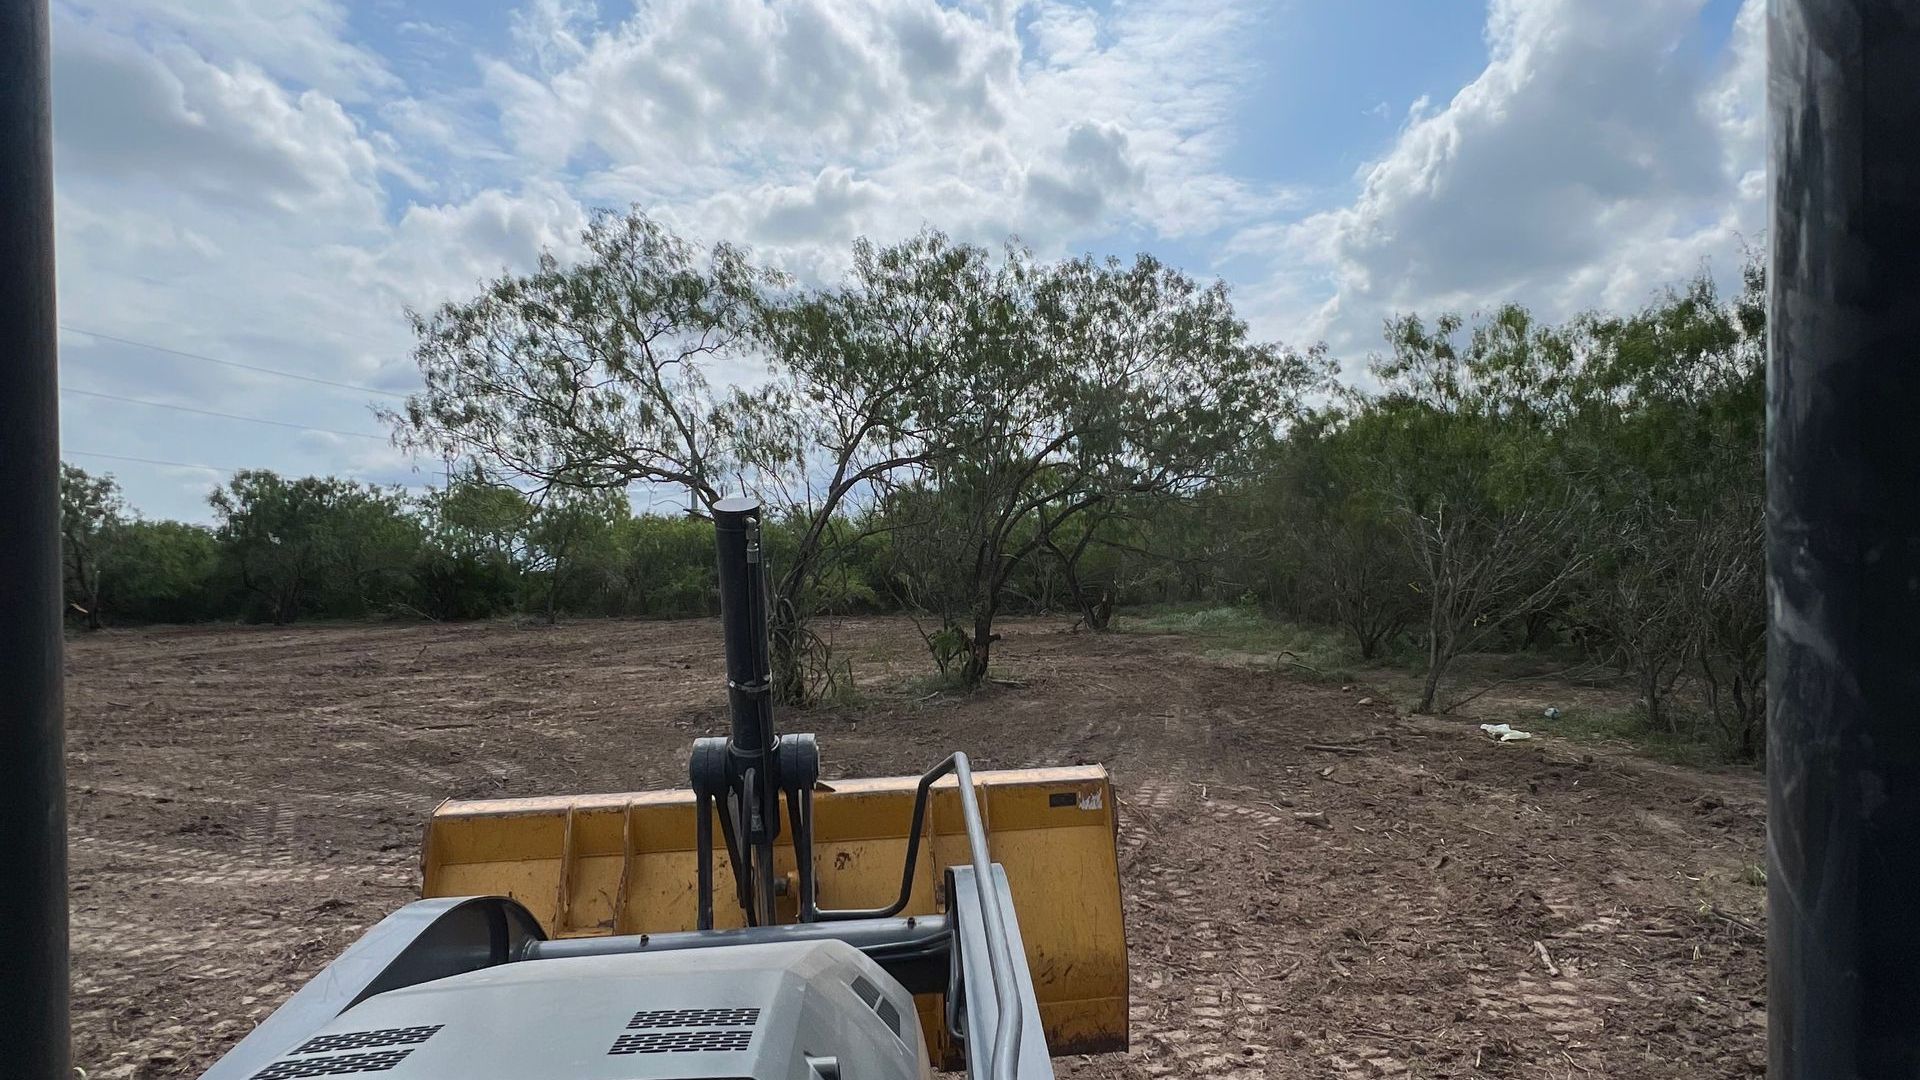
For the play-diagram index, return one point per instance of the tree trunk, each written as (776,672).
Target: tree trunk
(1100,616)
(1536,623)
(789,677)
(787,629)
(1366,637)
(1431,689)
(1711,690)
(1752,720)
(93,603)
(980,649)
(1075,589)
(1096,611)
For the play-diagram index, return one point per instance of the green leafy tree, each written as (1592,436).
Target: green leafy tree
(849,408)
(92,514)
(572,538)
(927,570)
(1580,473)
(1320,537)
(667,566)
(473,515)
(164,572)
(1667,407)
(594,375)
(1082,383)
(475,549)
(314,545)
(1487,517)
(590,374)
(1640,602)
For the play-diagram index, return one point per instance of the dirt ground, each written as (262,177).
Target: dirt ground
(246,801)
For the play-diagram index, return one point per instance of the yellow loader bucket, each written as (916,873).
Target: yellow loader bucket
(597,865)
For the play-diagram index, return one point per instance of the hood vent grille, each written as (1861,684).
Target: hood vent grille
(378,1061)
(710,1040)
(367,1040)
(693,1018)
(688,1031)
(889,1013)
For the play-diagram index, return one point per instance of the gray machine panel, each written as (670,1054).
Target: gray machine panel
(426,940)
(770,1012)
(1030,1061)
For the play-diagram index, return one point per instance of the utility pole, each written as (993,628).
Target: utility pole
(33,786)
(1843,542)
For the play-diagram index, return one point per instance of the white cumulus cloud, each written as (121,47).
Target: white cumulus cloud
(249,179)
(1590,162)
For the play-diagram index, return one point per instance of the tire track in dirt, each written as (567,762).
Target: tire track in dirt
(1180,1026)
(1396,941)
(1139,806)
(198,866)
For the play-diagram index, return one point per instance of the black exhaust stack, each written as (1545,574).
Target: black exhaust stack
(744,775)
(743,623)
(33,786)
(1843,546)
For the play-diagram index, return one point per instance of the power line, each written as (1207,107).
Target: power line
(65,452)
(222,415)
(208,296)
(145,461)
(232,363)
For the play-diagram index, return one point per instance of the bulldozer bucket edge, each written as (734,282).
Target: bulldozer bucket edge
(600,865)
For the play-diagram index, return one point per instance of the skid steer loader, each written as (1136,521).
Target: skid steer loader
(870,928)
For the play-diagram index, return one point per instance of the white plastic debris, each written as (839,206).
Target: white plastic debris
(1504,733)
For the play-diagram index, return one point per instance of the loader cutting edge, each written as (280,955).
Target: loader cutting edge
(616,864)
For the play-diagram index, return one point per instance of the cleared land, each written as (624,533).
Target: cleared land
(246,801)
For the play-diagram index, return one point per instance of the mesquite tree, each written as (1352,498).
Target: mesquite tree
(314,542)
(847,410)
(1487,516)
(92,513)
(597,374)
(591,374)
(1074,384)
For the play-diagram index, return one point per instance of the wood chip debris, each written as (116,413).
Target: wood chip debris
(1546,958)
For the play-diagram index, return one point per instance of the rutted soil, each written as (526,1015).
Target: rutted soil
(1408,899)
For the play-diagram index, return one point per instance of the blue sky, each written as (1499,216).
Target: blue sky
(273,182)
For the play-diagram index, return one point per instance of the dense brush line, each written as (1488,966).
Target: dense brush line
(957,434)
